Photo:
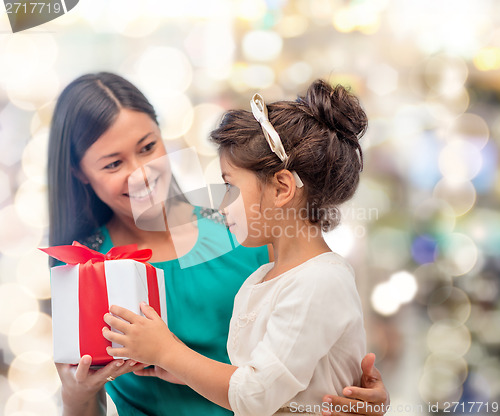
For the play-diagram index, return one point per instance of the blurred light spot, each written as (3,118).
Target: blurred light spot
(26,59)
(34,159)
(433,217)
(31,331)
(15,301)
(455,363)
(31,204)
(340,239)
(262,45)
(460,161)
(405,286)
(448,337)
(458,254)
(14,124)
(31,402)
(469,127)
(132,20)
(385,299)
(34,370)
(4,187)
(237,77)
(461,196)
(212,46)
(34,274)
(484,181)
(36,91)
(357,16)
(296,74)
(206,119)
(371,200)
(292,25)
(258,76)
(483,226)
(389,247)
(487,59)
(488,332)
(446,75)
(164,69)
(250,10)
(449,303)
(423,249)
(17,236)
(439,384)
(176,113)
(382,79)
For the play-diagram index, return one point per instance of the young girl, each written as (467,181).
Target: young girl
(296,331)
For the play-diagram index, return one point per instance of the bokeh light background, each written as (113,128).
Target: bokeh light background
(423,231)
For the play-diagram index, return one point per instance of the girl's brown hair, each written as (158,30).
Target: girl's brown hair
(320,134)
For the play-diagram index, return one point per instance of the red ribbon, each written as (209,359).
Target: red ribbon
(92,290)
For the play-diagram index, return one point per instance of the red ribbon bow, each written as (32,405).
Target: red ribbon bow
(92,290)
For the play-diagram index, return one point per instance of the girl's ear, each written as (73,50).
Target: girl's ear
(78,174)
(285,187)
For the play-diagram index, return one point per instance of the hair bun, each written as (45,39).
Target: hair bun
(336,108)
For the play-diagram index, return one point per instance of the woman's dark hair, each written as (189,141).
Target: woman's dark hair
(86,108)
(320,134)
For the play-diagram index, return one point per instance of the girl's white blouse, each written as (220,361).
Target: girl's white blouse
(296,337)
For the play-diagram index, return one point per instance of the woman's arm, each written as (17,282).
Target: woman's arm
(149,340)
(372,398)
(82,389)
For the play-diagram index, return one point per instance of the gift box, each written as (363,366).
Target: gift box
(85,288)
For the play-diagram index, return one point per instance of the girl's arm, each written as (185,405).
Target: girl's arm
(148,340)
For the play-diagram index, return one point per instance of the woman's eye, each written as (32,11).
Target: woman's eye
(148,147)
(113,165)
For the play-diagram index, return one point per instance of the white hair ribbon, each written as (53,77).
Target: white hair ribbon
(259,111)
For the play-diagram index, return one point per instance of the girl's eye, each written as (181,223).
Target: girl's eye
(148,147)
(113,165)
(228,186)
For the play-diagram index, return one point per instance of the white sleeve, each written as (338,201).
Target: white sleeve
(310,315)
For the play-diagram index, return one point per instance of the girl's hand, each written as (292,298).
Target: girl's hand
(82,388)
(160,373)
(144,338)
(371,399)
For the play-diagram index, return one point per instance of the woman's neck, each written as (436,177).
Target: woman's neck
(175,240)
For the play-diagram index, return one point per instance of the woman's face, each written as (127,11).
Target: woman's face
(131,144)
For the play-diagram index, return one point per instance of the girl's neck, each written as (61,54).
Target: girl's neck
(289,252)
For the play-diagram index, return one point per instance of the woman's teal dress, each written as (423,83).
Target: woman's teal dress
(200,290)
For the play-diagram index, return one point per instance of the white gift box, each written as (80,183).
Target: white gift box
(126,285)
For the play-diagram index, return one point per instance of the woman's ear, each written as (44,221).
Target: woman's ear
(78,174)
(285,187)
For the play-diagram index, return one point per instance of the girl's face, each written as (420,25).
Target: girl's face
(246,206)
(128,146)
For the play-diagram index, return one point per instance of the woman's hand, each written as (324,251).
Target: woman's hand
(160,373)
(82,388)
(371,399)
(144,338)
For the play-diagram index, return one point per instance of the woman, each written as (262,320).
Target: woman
(103,130)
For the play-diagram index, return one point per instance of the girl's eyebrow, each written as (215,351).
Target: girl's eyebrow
(225,175)
(118,153)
